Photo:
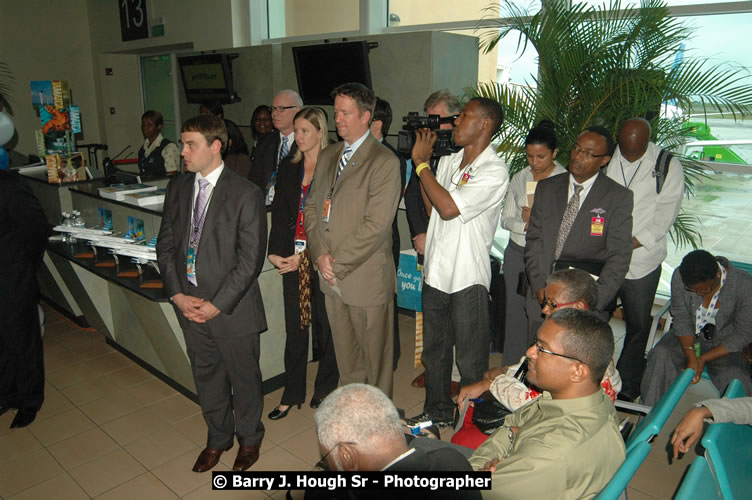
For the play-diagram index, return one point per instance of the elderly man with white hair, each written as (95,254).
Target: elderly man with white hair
(359,429)
(273,148)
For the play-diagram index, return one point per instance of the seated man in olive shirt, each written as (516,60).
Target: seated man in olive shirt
(568,446)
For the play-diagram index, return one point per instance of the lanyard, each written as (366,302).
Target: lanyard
(627,184)
(702,319)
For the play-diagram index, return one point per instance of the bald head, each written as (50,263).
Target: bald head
(634,137)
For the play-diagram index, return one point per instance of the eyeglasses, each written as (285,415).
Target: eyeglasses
(553,305)
(323,464)
(704,291)
(576,149)
(280,109)
(540,349)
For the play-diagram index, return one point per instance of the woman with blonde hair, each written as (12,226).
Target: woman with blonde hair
(303,299)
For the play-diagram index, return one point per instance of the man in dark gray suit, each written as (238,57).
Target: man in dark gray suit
(580,219)
(211,248)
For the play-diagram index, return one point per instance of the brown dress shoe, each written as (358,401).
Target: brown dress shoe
(419,381)
(207,459)
(247,456)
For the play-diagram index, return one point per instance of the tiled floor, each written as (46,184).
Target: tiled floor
(109,429)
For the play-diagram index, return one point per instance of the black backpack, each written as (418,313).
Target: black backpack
(660,171)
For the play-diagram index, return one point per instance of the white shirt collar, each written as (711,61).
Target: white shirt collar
(213,177)
(355,145)
(406,454)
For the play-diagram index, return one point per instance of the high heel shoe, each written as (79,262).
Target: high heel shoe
(277,414)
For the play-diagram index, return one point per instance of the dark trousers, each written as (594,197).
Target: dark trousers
(516,339)
(21,356)
(227,375)
(296,343)
(637,297)
(458,320)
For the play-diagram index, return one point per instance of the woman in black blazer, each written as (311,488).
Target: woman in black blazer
(300,286)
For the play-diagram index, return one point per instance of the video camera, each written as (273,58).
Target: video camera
(444,144)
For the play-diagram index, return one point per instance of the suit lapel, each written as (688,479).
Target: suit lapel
(339,147)
(185,208)
(212,211)
(356,160)
(593,201)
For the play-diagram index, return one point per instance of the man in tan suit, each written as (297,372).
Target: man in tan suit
(348,219)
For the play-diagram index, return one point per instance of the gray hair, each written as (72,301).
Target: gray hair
(578,286)
(451,101)
(357,413)
(294,95)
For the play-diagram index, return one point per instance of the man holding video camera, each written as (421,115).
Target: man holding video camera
(444,104)
(463,200)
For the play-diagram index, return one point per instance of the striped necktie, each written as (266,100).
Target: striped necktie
(283,150)
(346,154)
(570,214)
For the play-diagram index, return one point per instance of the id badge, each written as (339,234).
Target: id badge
(465,177)
(300,246)
(270,195)
(191,263)
(327,209)
(596,226)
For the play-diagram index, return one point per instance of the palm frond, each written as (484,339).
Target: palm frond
(686,231)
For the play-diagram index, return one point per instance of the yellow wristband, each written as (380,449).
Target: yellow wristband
(421,167)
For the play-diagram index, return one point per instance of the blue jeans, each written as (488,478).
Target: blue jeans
(458,320)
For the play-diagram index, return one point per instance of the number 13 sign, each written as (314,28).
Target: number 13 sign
(134,23)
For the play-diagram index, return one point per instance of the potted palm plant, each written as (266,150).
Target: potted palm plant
(602,65)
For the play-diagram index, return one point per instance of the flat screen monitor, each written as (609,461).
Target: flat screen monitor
(321,68)
(207,78)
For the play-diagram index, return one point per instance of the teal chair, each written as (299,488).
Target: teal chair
(735,389)
(728,450)
(653,422)
(624,474)
(698,483)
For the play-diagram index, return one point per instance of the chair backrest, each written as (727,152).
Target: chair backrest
(698,483)
(652,424)
(728,449)
(735,389)
(624,474)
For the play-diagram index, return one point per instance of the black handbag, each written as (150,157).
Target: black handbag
(489,414)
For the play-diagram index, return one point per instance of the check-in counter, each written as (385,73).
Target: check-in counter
(138,320)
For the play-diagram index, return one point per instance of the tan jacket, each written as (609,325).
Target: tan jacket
(359,231)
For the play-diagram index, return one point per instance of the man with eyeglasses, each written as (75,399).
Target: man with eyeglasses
(359,429)
(711,305)
(636,165)
(581,219)
(567,288)
(273,148)
(567,445)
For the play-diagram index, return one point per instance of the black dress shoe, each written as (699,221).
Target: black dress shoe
(23,417)
(4,409)
(277,414)
(316,402)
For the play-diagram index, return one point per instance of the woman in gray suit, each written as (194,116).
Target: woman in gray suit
(711,302)
(303,299)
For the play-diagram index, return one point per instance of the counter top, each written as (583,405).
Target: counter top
(92,191)
(69,251)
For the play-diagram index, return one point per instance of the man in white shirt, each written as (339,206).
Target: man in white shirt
(633,166)
(273,148)
(464,203)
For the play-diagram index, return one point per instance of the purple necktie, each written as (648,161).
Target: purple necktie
(199,215)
